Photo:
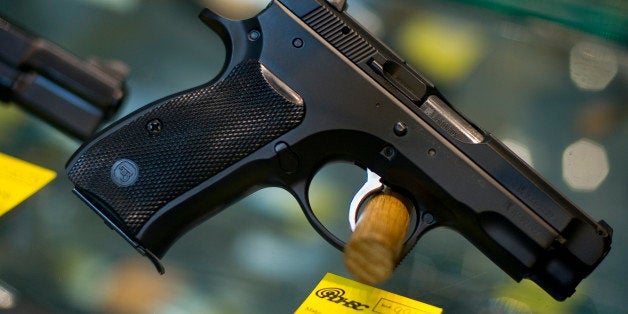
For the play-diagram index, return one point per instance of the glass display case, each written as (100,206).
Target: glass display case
(549,79)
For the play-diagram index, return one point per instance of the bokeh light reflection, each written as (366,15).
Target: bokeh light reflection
(585,165)
(7,298)
(592,66)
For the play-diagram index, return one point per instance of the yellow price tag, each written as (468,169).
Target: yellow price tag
(338,295)
(19,180)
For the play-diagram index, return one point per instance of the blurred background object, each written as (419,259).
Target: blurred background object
(550,78)
(236,10)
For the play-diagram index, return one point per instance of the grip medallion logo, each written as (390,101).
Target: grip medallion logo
(336,295)
(124,172)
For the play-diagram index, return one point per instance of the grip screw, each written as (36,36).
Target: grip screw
(154,126)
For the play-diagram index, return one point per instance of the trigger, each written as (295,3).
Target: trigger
(372,185)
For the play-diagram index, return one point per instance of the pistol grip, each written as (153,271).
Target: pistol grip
(148,160)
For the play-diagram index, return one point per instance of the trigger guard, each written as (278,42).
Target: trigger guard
(300,192)
(372,186)
(302,197)
(419,229)
(303,200)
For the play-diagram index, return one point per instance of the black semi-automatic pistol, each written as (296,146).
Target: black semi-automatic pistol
(304,85)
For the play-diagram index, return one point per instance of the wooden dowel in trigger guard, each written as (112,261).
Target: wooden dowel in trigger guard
(373,249)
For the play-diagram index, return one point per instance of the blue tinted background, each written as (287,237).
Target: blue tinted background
(549,78)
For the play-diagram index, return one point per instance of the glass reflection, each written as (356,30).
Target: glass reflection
(592,66)
(7,297)
(499,69)
(585,165)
